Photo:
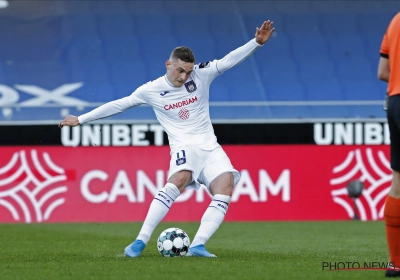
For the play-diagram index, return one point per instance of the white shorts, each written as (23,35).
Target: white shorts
(205,165)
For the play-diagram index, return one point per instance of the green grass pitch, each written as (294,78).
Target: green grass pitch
(270,250)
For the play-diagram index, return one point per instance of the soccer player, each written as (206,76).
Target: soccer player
(180,100)
(389,71)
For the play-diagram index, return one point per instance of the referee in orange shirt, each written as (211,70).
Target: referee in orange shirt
(389,71)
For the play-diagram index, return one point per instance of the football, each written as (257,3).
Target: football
(173,242)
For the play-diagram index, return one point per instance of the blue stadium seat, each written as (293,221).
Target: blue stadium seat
(277,70)
(254,20)
(97,92)
(45,74)
(121,47)
(372,44)
(149,24)
(132,71)
(301,23)
(249,91)
(242,83)
(324,91)
(89,71)
(80,25)
(123,89)
(347,45)
(110,25)
(326,7)
(219,91)
(367,89)
(363,6)
(292,6)
(155,68)
(215,7)
(2,77)
(203,46)
(338,23)
(44,38)
(225,25)
(355,69)
(85,48)
(199,25)
(77,7)
(256,8)
(392,6)
(278,47)
(225,44)
(158,47)
(220,112)
(307,46)
(317,70)
(143,7)
(110,7)
(285,91)
(373,23)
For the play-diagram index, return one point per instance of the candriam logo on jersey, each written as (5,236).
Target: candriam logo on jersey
(31,186)
(183,113)
(180,104)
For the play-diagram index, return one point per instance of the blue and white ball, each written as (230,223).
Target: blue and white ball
(173,242)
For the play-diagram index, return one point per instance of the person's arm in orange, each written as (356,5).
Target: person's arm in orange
(383,67)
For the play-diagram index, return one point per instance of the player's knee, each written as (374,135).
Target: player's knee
(223,184)
(181,179)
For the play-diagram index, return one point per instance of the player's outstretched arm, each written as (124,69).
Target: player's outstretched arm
(69,120)
(240,54)
(105,110)
(108,109)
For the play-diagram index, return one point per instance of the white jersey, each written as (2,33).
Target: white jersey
(182,111)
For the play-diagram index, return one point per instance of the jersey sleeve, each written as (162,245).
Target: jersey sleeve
(212,69)
(138,97)
(207,70)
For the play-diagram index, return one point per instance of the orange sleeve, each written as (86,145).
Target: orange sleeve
(385,46)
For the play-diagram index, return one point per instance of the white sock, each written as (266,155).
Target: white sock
(211,219)
(159,207)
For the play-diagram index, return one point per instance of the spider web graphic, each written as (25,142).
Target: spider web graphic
(373,169)
(30,186)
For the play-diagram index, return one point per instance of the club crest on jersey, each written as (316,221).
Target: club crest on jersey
(190,86)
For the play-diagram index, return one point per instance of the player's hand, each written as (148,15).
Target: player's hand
(69,121)
(264,32)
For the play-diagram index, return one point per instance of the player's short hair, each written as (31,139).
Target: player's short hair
(183,53)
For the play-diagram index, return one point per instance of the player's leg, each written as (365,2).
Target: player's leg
(222,177)
(159,207)
(392,206)
(221,189)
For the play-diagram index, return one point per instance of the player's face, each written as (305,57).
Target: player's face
(178,71)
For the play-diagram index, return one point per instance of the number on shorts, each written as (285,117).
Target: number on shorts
(181,160)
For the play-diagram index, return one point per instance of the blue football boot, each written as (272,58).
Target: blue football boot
(199,251)
(133,250)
